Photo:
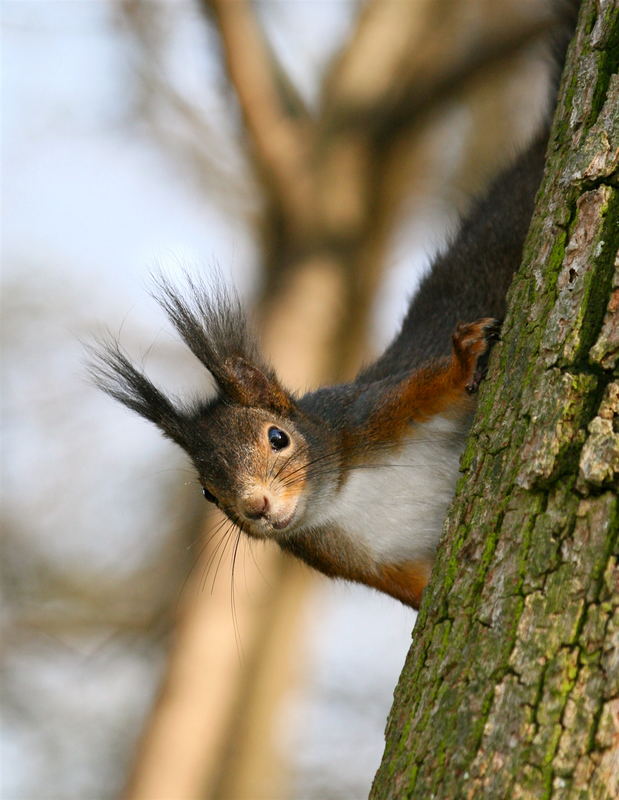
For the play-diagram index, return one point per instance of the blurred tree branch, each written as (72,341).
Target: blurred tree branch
(179,123)
(403,59)
(275,118)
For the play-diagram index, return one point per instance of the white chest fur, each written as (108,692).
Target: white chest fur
(396,507)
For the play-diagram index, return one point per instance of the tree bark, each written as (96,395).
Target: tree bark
(511,686)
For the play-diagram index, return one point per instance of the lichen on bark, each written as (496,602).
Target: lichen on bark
(511,686)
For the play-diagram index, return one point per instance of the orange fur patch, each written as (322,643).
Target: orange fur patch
(440,388)
(330,552)
(405,582)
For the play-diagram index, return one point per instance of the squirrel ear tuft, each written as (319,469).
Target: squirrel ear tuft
(250,386)
(113,372)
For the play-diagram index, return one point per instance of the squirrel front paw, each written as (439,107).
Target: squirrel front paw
(472,343)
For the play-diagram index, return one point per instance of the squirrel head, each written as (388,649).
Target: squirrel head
(253,464)
(252,444)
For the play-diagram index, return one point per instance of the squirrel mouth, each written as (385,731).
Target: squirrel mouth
(280,524)
(276,515)
(265,526)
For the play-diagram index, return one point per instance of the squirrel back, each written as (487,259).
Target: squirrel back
(471,278)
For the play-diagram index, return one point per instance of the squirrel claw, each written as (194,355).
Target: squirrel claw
(472,343)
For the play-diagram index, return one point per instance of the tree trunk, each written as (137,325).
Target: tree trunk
(511,687)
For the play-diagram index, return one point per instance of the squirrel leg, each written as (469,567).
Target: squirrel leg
(471,349)
(442,387)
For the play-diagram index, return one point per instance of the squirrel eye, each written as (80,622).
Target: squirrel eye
(278,439)
(208,496)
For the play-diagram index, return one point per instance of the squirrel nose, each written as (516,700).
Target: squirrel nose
(256,507)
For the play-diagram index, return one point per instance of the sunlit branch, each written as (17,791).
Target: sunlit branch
(277,129)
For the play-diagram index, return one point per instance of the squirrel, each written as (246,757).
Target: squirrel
(353,479)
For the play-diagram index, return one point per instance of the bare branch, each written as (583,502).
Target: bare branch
(183,129)
(405,58)
(278,133)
